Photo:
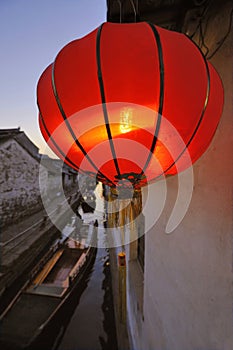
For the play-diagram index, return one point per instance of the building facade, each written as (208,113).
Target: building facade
(25,176)
(19,185)
(180,290)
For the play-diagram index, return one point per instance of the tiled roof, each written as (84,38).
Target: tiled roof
(21,138)
(53,165)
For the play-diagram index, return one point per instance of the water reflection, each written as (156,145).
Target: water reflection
(51,337)
(92,324)
(107,308)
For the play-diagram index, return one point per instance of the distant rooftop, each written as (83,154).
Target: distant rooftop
(21,138)
(53,165)
(9,131)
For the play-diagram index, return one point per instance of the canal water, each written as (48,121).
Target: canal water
(91,323)
(87,321)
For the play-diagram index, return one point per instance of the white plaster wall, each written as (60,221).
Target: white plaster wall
(19,185)
(188,294)
(68,180)
(54,184)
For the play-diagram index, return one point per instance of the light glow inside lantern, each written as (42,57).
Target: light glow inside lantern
(164,114)
(126,120)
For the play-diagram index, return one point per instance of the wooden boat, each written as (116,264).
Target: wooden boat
(50,287)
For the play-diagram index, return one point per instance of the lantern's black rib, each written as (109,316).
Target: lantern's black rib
(104,107)
(71,130)
(202,113)
(54,142)
(161,96)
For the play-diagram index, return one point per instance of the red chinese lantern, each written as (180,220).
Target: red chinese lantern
(129,103)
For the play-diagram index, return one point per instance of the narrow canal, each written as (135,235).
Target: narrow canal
(86,321)
(92,325)
(89,323)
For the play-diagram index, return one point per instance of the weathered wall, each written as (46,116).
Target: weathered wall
(20,175)
(188,293)
(19,185)
(50,183)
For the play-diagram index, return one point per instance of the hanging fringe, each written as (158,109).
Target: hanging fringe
(123,211)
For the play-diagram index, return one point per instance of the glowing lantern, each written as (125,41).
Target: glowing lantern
(129,103)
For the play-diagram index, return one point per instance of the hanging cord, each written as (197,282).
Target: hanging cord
(202,40)
(134,10)
(202,34)
(120,7)
(220,43)
(199,25)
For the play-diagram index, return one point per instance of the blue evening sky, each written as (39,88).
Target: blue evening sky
(32,32)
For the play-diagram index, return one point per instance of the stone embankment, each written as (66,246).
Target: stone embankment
(21,244)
